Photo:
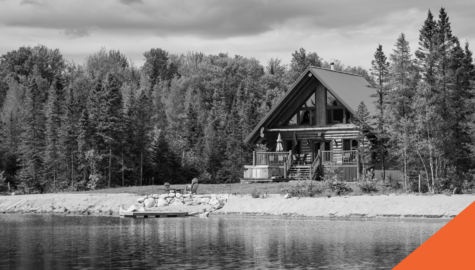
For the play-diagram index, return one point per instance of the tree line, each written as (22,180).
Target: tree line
(108,123)
(425,103)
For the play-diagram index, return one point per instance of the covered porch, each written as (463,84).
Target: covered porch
(285,165)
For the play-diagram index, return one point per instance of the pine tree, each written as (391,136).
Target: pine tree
(94,108)
(380,72)
(54,114)
(32,147)
(68,139)
(427,52)
(361,121)
(166,165)
(425,139)
(108,128)
(143,126)
(84,143)
(403,78)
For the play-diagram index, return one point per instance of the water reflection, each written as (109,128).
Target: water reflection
(68,242)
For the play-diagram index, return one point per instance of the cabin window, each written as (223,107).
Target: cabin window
(327,146)
(335,116)
(346,145)
(354,145)
(293,121)
(307,117)
(332,101)
(348,116)
(350,144)
(310,101)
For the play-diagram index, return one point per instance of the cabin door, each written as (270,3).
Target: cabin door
(322,146)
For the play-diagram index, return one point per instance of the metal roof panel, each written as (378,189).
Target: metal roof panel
(349,89)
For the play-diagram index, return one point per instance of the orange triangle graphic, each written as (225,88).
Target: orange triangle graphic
(452,247)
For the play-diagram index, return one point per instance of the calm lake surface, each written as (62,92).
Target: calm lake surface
(78,242)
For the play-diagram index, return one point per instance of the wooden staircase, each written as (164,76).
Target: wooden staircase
(299,172)
(306,172)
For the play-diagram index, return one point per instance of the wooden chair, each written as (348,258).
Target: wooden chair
(271,160)
(295,159)
(346,157)
(304,159)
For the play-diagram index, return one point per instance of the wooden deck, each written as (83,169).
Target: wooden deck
(156,214)
(263,180)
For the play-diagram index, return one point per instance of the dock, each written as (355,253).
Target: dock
(155,214)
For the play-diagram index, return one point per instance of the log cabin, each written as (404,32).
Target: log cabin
(310,128)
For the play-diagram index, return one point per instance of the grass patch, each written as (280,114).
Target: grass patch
(295,189)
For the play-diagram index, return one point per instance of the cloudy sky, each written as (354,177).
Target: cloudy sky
(336,29)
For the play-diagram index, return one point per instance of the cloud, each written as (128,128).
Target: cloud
(131,2)
(32,2)
(346,29)
(78,33)
(207,19)
(211,19)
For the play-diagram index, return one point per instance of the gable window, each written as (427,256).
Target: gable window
(305,115)
(336,112)
(292,121)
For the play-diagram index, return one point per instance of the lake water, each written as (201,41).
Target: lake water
(77,242)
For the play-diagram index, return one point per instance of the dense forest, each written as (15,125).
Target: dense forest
(108,123)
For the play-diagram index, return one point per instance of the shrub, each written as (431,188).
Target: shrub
(467,187)
(303,190)
(367,186)
(256,193)
(338,187)
(395,184)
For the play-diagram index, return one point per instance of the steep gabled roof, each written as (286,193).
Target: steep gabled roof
(350,89)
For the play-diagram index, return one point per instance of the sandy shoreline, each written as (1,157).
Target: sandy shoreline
(409,206)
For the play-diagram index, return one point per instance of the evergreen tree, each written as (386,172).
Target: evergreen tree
(109,124)
(143,126)
(403,78)
(53,125)
(427,52)
(362,121)
(32,147)
(68,140)
(166,165)
(84,143)
(380,72)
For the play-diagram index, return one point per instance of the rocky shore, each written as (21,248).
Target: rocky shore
(396,206)
(408,206)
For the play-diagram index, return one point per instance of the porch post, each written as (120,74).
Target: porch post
(285,169)
(357,166)
(253,158)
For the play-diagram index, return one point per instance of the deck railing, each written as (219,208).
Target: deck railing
(315,165)
(339,157)
(272,158)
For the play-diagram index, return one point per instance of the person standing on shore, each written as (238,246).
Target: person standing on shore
(194,186)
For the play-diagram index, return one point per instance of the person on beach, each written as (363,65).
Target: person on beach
(194,186)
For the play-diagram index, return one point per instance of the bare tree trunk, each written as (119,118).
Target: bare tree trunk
(405,168)
(141,167)
(72,169)
(383,162)
(123,179)
(110,163)
(425,168)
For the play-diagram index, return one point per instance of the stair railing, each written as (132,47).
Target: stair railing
(315,165)
(288,163)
